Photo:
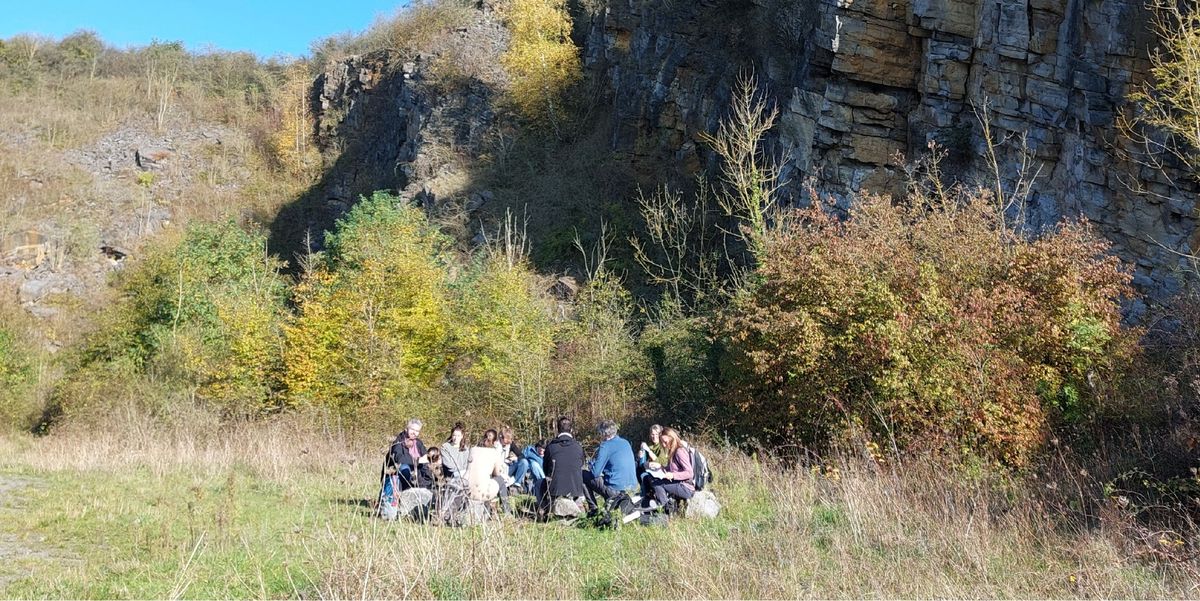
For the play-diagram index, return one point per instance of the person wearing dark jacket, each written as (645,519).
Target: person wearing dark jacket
(563,463)
(405,454)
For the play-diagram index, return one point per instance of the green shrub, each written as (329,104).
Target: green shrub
(937,329)
(683,357)
(205,310)
(375,319)
(16,382)
(506,335)
(598,365)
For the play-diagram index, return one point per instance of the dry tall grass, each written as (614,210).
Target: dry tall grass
(854,530)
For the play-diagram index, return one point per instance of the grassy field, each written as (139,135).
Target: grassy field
(280,511)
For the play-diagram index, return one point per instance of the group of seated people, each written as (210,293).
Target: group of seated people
(496,466)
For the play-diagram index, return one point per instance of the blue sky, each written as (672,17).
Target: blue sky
(265,27)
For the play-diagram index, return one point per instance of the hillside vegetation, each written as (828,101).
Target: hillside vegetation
(913,396)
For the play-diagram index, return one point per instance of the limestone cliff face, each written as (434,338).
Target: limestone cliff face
(385,124)
(860,80)
(856,81)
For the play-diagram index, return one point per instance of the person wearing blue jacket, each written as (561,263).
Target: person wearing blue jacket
(533,454)
(613,470)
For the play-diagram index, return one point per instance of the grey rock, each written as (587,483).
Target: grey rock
(42,312)
(566,508)
(152,157)
(40,284)
(414,499)
(703,504)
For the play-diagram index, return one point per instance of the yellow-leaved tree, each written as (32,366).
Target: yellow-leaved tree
(541,59)
(292,141)
(374,323)
(507,336)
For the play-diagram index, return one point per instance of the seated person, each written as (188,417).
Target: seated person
(563,462)
(431,471)
(406,450)
(533,454)
(612,471)
(454,451)
(651,457)
(514,459)
(675,478)
(487,473)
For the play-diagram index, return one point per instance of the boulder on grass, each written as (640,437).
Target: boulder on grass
(566,508)
(415,502)
(703,504)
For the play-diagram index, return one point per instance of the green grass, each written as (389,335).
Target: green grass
(142,536)
(110,522)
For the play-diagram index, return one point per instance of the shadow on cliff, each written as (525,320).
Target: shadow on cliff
(367,140)
(446,150)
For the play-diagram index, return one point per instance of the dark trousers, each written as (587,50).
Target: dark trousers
(503,494)
(665,489)
(596,486)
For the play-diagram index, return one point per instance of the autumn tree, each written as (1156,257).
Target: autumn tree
(374,323)
(1165,120)
(542,60)
(292,141)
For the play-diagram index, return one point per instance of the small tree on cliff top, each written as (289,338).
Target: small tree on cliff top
(541,59)
(1167,118)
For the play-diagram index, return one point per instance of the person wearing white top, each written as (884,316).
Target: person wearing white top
(486,472)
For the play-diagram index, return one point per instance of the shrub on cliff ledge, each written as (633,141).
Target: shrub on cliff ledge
(939,329)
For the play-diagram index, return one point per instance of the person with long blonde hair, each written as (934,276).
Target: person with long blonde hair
(675,481)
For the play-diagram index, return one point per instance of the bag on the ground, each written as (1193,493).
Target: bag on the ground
(452,502)
(612,513)
(389,497)
(701,475)
(622,504)
(654,518)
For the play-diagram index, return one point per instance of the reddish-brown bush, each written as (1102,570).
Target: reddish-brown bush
(939,329)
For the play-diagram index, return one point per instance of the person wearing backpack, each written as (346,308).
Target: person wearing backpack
(675,479)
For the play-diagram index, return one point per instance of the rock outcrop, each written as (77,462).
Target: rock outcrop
(858,81)
(400,123)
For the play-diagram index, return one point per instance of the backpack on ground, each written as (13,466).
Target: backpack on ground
(701,475)
(452,502)
(654,518)
(612,513)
